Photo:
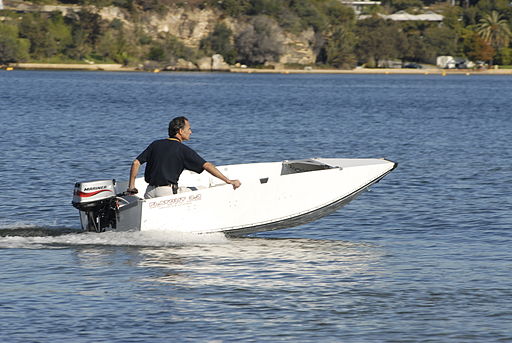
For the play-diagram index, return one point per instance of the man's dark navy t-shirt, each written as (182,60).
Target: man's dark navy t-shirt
(167,158)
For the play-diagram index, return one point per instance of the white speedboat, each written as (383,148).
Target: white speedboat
(273,195)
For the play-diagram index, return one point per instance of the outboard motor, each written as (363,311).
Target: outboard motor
(96,201)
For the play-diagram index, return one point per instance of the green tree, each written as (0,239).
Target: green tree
(60,32)
(233,8)
(12,48)
(494,30)
(219,41)
(416,49)
(80,47)
(309,14)
(477,49)
(92,26)
(117,44)
(335,44)
(401,5)
(441,40)
(340,48)
(168,49)
(379,40)
(338,14)
(452,17)
(35,28)
(86,32)
(470,15)
(504,57)
(271,8)
(260,42)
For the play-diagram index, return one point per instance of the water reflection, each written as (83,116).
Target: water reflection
(263,263)
(211,259)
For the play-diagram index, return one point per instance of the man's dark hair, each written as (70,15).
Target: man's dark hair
(176,124)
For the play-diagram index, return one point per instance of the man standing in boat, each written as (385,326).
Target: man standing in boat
(167,158)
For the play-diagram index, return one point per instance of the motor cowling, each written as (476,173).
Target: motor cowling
(97,201)
(88,194)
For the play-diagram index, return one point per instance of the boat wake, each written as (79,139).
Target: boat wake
(35,231)
(36,237)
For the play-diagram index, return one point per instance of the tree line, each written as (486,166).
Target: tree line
(477,30)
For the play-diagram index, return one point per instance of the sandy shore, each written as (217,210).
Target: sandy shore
(120,67)
(376,71)
(71,66)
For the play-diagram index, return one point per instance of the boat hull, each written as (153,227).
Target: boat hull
(273,196)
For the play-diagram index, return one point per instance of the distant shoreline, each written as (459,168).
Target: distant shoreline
(385,71)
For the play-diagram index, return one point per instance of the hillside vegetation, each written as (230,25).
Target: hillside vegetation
(253,32)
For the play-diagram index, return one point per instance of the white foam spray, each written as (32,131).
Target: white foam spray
(141,239)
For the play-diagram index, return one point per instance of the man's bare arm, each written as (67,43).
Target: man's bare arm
(134,170)
(210,168)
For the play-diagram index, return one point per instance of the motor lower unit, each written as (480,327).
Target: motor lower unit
(97,203)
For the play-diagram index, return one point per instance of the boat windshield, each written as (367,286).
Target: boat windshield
(302,166)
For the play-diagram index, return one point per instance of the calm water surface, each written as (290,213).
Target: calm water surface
(424,257)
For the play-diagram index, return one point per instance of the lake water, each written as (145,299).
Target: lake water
(424,257)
